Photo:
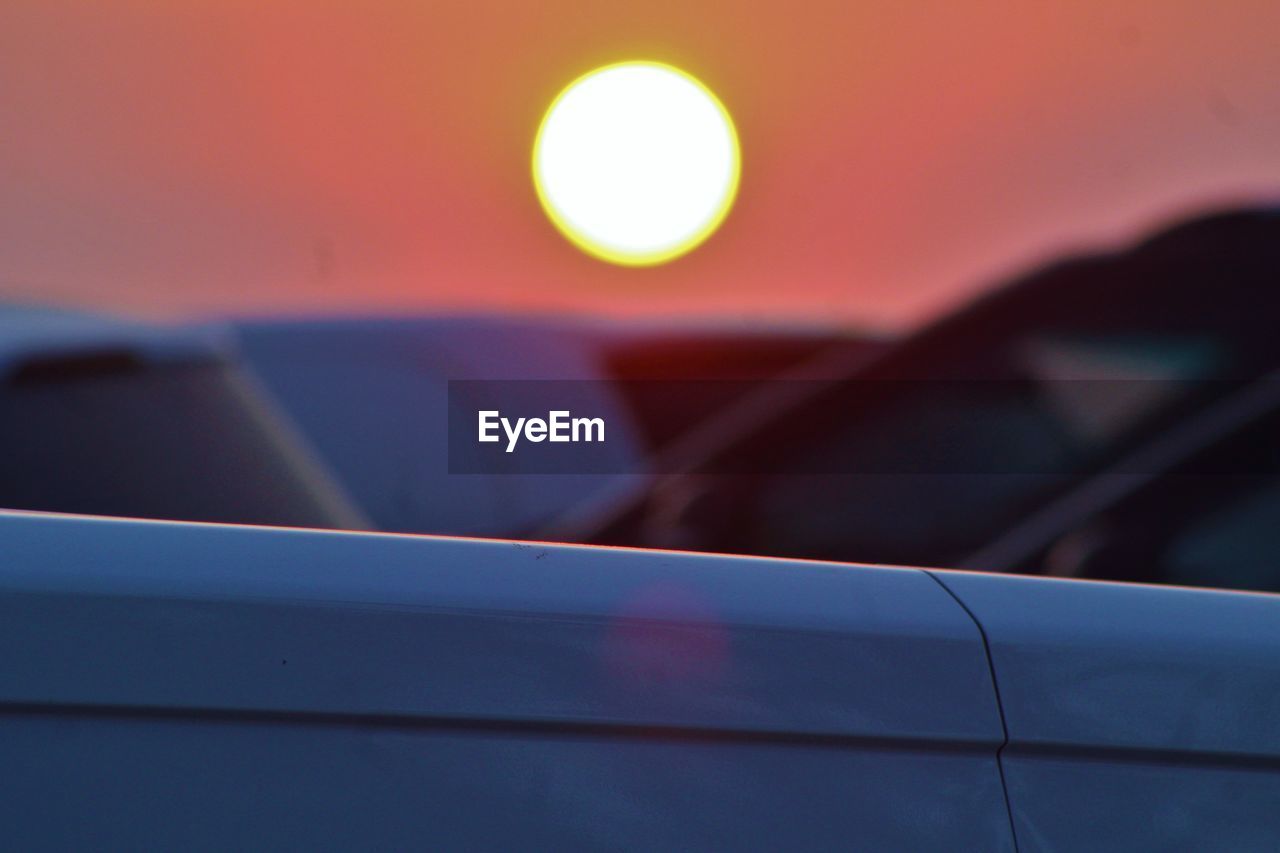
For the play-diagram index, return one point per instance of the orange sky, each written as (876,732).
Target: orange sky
(181,157)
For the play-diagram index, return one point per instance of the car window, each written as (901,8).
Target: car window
(1213,522)
(921,471)
(1234,546)
(111,435)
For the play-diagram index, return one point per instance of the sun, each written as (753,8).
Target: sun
(637,163)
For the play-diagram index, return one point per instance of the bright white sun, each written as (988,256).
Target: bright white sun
(636,163)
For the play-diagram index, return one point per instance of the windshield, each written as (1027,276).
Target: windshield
(113,436)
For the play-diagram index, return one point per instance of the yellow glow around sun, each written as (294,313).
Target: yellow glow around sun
(636,163)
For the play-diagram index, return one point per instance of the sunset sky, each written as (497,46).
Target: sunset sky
(197,157)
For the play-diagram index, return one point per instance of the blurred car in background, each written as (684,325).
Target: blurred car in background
(1109,416)
(108,417)
(968,431)
(371,396)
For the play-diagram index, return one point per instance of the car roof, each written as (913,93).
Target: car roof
(37,331)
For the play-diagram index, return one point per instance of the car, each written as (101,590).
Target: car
(957,434)
(200,686)
(110,416)
(371,394)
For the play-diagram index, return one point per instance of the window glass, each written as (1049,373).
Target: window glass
(1235,546)
(1214,522)
(113,436)
(930,469)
